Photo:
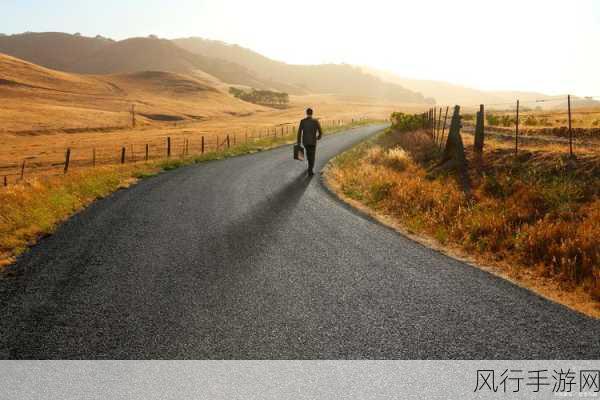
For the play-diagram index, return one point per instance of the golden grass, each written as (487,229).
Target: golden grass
(35,207)
(44,112)
(46,151)
(536,217)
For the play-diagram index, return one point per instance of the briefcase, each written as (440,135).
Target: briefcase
(298,152)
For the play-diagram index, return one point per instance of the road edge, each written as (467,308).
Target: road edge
(453,252)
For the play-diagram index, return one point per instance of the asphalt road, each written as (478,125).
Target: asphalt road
(248,258)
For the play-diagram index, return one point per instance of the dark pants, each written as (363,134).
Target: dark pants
(310,156)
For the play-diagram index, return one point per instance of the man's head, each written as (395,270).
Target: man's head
(309,112)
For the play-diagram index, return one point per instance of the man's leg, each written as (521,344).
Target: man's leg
(310,156)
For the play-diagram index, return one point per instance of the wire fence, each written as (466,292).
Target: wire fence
(560,120)
(158,147)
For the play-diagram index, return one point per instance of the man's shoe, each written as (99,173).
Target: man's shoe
(310,173)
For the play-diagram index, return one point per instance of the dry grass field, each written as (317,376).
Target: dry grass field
(585,123)
(534,218)
(44,112)
(35,206)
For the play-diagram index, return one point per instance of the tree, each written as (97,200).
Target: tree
(263,97)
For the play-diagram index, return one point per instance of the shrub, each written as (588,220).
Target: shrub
(406,122)
(261,97)
(374,155)
(507,120)
(396,158)
(492,119)
(530,121)
(530,213)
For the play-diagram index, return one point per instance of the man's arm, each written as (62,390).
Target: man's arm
(319,130)
(299,132)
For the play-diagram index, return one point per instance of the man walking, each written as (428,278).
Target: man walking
(309,132)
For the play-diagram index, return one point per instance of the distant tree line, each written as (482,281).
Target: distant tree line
(262,97)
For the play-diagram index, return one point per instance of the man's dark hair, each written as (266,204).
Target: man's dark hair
(309,111)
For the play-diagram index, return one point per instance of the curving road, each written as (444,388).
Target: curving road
(247,258)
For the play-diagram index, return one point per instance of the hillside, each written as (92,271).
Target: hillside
(151,54)
(83,55)
(230,64)
(34,98)
(55,50)
(448,94)
(330,78)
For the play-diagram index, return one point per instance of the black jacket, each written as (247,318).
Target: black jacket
(309,131)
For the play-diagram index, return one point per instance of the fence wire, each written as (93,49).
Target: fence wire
(565,121)
(160,147)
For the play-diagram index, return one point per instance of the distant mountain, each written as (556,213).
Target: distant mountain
(446,93)
(35,98)
(59,51)
(340,79)
(231,64)
(73,53)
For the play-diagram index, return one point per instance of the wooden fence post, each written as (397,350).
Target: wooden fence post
(439,125)
(123,155)
(517,131)
(94,157)
(570,128)
(169,146)
(147,155)
(454,153)
(23,170)
(202,145)
(479,131)
(434,122)
(5,181)
(444,127)
(430,117)
(67,159)
(133,115)
(228,143)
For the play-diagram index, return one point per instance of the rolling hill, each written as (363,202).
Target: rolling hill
(54,50)
(340,79)
(35,98)
(230,64)
(83,55)
(449,94)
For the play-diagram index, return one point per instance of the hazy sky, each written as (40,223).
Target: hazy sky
(549,46)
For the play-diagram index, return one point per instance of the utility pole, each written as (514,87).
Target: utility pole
(517,130)
(570,128)
(133,115)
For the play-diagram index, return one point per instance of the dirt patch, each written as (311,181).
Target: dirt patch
(163,117)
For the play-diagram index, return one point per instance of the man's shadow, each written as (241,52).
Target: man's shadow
(259,226)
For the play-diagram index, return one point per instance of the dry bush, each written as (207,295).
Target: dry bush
(535,212)
(33,209)
(395,158)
